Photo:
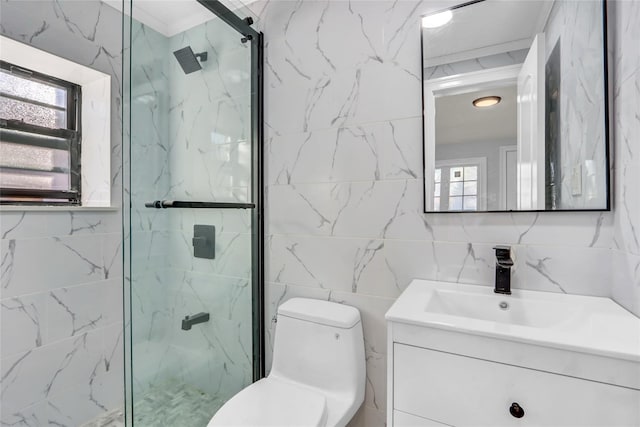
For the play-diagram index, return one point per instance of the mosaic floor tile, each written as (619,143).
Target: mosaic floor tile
(173,404)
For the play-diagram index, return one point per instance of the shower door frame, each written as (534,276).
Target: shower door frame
(256,40)
(257,187)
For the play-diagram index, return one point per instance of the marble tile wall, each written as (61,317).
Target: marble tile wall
(624,17)
(344,177)
(61,289)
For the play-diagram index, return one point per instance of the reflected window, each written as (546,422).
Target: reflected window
(458,185)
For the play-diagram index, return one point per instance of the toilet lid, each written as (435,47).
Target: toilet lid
(271,402)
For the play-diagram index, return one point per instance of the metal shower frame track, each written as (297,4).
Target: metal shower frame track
(255,38)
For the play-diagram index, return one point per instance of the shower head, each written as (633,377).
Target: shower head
(189,60)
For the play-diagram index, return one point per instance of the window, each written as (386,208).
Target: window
(459,185)
(39,138)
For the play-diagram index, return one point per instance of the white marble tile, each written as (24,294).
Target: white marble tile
(31,416)
(44,371)
(369,152)
(347,97)
(626,107)
(626,92)
(581,271)
(73,407)
(225,298)
(332,78)
(28,225)
(23,323)
(232,257)
(80,255)
(625,282)
(44,23)
(336,209)
(74,310)
(348,265)
(225,221)
(394,209)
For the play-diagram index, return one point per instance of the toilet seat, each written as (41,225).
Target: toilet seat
(272,402)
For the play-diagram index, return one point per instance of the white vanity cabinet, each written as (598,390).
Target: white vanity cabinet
(441,373)
(465,391)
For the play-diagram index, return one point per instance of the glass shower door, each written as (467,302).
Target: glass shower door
(195,233)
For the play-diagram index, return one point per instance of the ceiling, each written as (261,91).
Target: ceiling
(171,17)
(485,28)
(496,123)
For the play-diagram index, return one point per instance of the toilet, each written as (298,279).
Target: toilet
(318,374)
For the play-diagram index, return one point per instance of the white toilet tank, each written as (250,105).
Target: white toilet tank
(320,344)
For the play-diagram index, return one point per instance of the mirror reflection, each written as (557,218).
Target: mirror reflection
(515,107)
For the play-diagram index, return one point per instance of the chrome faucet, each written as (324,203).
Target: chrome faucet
(503,270)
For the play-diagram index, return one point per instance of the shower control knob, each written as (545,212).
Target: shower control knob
(516,410)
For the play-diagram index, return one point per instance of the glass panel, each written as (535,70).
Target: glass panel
(37,91)
(456,174)
(32,114)
(190,140)
(32,179)
(455,203)
(28,157)
(471,188)
(436,203)
(470,173)
(438,174)
(436,191)
(455,189)
(470,203)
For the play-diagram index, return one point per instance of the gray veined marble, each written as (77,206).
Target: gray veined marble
(61,286)
(339,76)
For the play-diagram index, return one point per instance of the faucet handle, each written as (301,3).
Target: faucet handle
(503,255)
(502,251)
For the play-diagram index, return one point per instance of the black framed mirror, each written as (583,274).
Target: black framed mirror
(515,107)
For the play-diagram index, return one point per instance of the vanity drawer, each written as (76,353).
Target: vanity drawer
(464,391)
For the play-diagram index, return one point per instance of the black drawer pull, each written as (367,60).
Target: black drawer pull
(516,410)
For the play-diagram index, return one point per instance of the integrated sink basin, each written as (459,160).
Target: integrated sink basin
(533,312)
(582,323)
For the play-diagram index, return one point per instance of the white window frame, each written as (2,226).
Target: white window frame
(481,196)
(96,114)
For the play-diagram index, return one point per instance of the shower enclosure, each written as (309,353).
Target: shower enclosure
(193,221)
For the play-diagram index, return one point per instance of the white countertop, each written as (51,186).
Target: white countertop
(586,324)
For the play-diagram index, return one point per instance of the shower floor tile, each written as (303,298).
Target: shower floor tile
(172,405)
